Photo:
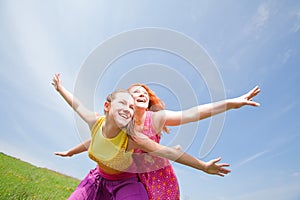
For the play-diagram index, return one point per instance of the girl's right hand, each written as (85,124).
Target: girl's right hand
(56,82)
(63,154)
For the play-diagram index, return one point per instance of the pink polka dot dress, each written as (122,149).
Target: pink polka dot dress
(156,173)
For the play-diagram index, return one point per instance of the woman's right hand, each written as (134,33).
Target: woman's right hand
(215,168)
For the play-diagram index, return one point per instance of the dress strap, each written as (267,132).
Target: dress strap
(148,123)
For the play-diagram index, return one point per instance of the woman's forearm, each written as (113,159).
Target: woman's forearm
(207,110)
(171,118)
(179,157)
(155,149)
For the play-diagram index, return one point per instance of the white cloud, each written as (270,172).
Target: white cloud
(289,107)
(251,158)
(262,16)
(296,26)
(259,20)
(286,56)
(296,174)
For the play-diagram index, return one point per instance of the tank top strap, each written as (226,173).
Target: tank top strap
(97,125)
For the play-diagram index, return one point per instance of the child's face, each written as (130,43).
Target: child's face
(140,96)
(121,109)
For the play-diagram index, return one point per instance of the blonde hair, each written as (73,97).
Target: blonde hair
(112,96)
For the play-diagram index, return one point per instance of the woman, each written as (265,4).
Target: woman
(157,173)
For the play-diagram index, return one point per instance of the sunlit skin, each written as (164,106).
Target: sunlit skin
(119,111)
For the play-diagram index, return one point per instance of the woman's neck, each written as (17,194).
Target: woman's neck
(139,116)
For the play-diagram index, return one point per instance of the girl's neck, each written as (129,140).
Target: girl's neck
(110,129)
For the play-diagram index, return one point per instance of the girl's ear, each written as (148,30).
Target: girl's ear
(106,106)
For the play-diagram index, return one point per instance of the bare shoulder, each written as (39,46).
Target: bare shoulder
(158,120)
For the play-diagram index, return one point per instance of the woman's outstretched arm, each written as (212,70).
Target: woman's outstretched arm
(175,118)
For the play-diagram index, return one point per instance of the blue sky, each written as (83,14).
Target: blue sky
(251,43)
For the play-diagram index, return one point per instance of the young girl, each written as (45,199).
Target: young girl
(157,173)
(108,150)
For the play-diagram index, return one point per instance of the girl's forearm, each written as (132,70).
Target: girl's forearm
(88,116)
(82,147)
(69,98)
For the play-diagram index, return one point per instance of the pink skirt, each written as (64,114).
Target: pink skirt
(94,187)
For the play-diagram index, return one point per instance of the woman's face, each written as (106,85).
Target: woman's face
(121,109)
(140,97)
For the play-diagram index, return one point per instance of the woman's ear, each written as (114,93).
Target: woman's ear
(106,106)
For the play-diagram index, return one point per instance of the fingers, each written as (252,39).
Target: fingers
(219,169)
(216,160)
(57,78)
(252,103)
(221,165)
(57,153)
(63,154)
(222,172)
(253,92)
(56,81)
(224,165)
(249,96)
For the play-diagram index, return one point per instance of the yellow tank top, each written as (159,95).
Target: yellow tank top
(109,153)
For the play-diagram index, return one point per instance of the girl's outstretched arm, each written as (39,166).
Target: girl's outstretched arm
(88,116)
(146,144)
(82,147)
(175,118)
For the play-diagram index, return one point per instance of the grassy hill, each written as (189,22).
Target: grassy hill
(21,180)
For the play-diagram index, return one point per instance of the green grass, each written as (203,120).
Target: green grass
(21,180)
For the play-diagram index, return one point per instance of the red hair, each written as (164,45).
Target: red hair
(155,103)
